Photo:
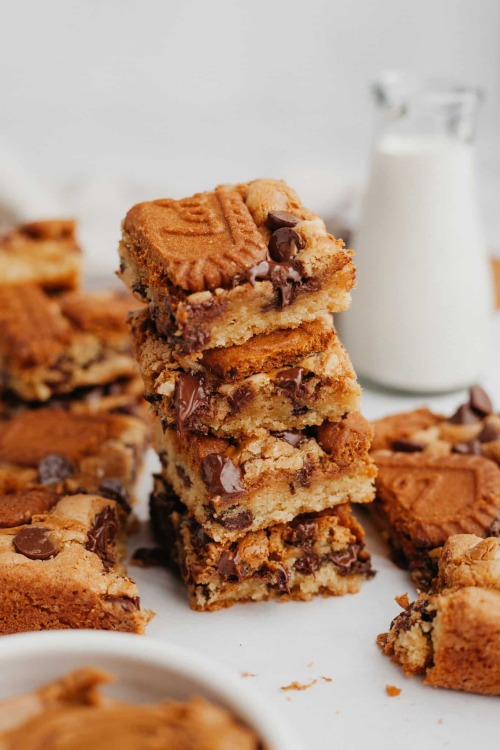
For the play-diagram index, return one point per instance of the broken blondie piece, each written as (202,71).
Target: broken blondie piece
(435,478)
(223,266)
(53,345)
(232,487)
(100,453)
(314,554)
(289,379)
(452,635)
(61,564)
(44,253)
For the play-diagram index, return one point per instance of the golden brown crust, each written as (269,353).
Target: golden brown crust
(267,352)
(19,507)
(199,243)
(428,498)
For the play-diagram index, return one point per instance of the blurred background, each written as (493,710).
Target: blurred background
(106,103)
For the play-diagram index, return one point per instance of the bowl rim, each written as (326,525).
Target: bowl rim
(251,707)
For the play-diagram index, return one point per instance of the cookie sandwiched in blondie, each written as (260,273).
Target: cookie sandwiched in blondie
(70,452)
(231,487)
(53,345)
(314,554)
(436,477)
(289,379)
(61,564)
(452,635)
(223,266)
(45,253)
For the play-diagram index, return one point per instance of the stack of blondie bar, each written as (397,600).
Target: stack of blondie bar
(258,431)
(71,442)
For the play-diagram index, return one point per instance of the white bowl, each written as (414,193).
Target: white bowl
(146,671)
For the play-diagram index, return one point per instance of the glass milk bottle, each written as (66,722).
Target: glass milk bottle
(419,319)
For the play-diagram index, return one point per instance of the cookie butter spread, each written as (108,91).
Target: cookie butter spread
(72,714)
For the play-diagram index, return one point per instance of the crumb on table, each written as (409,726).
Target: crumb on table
(392,691)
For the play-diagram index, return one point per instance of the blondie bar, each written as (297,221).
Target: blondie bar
(61,564)
(53,345)
(232,487)
(452,635)
(436,477)
(314,554)
(52,447)
(43,253)
(288,379)
(223,266)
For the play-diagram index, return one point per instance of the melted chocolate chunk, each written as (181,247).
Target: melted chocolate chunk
(283,276)
(479,401)
(221,476)
(113,489)
(233,522)
(34,542)
(407,446)
(473,447)
(307,563)
(228,567)
(304,532)
(126,603)
(54,468)
(489,433)
(278,219)
(294,437)
(285,244)
(140,289)
(464,415)
(304,474)
(281,579)
(149,557)
(182,474)
(102,537)
(189,397)
(345,559)
(198,537)
(291,381)
(242,396)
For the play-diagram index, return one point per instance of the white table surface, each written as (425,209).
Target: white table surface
(333,638)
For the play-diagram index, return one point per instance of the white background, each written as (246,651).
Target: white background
(113,101)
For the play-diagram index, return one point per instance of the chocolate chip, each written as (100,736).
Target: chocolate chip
(198,537)
(126,603)
(34,542)
(479,401)
(228,567)
(407,446)
(54,468)
(228,519)
(189,397)
(285,244)
(278,219)
(291,380)
(183,475)
(149,557)
(221,476)
(345,559)
(113,489)
(304,532)
(307,563)
(464,415)
(494,529)
(473,447)
(283,276)
(304,474)
(294,437)
(281,579)
(489,433)
(241,398)
(102,536)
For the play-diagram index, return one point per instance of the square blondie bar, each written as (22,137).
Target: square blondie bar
(437,476)
(289,379)
(53,345)
(99,453)
(44,253)
(223,266)
(314,554)
(452,635)
(231,487)
(61,564)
